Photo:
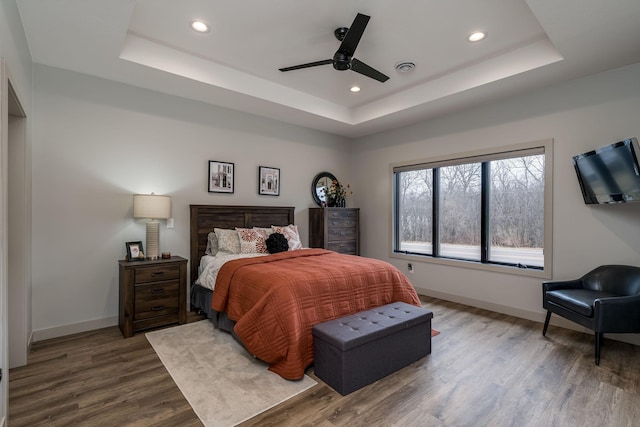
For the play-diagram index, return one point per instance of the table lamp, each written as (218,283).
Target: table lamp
(153,207)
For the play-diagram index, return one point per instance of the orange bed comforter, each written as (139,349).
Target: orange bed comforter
(276,299)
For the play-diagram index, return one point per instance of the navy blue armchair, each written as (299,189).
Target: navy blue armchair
(605,300)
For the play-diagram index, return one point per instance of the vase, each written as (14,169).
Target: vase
(336,203)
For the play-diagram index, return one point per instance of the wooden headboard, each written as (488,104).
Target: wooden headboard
(204,218)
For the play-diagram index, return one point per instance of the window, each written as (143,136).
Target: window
(485,208)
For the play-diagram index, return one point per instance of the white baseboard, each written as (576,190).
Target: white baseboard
(536,316)
(74,328)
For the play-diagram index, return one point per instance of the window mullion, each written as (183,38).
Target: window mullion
(484,212)
(435,232)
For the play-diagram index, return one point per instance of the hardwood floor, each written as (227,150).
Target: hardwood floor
(486,369)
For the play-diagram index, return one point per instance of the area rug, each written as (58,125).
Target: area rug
(223,383)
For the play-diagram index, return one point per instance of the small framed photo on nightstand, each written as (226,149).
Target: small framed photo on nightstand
(134,251)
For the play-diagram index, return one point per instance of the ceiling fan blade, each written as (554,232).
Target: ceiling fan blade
(364,69)
(308,65)
(352,38)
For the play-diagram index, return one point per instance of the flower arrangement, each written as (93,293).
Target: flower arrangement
(337,193)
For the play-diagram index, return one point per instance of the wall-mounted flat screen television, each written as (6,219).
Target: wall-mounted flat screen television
(610,174)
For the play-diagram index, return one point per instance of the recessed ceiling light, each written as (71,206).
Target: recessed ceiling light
(477,36)
(355,89)
(405,66)
(200,26)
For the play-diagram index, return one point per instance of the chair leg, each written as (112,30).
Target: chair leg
(546,323)
(598,345)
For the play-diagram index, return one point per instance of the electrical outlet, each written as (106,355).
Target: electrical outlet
(170,223)
(410,268)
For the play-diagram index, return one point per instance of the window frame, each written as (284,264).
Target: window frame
(495,153)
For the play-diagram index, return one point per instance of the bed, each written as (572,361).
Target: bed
(270,302)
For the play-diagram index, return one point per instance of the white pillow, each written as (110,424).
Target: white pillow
(228,241)
(212,244)
(291,233)
(252,241)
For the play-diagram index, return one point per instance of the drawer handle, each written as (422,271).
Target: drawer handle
(157,308)
(157,273)
(342,233)
(157,291)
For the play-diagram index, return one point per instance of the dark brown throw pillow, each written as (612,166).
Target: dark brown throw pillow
(276,242)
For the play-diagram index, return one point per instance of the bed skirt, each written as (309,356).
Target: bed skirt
(201,302)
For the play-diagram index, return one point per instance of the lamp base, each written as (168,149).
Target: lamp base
(153,239)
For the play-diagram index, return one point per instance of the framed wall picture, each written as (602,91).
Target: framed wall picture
(220,177)
(268,181)
(135,252)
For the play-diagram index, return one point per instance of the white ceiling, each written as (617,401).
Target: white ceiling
(149,43)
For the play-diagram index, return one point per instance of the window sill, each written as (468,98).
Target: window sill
(540,274)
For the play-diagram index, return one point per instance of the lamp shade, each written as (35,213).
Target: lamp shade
(151,206)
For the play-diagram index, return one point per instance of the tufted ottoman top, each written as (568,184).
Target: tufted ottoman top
(352,331)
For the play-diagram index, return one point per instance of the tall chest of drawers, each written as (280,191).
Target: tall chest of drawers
(336,229)
(152,293)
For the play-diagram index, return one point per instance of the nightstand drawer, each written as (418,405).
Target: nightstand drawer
(158,299)
(342,234)
(343,247)
(157,273)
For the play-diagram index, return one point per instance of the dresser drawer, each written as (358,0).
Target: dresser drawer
(157,273)
(342,214)
(342,234)
(158,299)
(343,223)
(343,247)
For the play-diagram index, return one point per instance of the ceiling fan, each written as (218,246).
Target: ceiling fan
(343,58)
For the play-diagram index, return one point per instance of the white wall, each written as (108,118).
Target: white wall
(15,64)
(97,142)
(579,116)
(15,50)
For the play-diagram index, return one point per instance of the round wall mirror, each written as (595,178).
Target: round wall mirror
(321,182)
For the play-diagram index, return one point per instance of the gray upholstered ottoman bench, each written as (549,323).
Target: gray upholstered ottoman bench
(356,350)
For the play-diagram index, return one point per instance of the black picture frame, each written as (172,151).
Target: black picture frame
(220,177)
(268,181)
(135,251)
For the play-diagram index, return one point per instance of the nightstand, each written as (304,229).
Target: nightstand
(152,293)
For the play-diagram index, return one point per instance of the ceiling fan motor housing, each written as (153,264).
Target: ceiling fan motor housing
(341,61)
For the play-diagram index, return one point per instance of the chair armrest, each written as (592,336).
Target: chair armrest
(565,284)
(617,314)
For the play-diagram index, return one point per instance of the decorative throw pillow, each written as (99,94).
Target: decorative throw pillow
(228,241)
(267,231)
(252,241)
(291,233)
(212,244)
(276,242)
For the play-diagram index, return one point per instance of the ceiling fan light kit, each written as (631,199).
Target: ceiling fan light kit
(343,58)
